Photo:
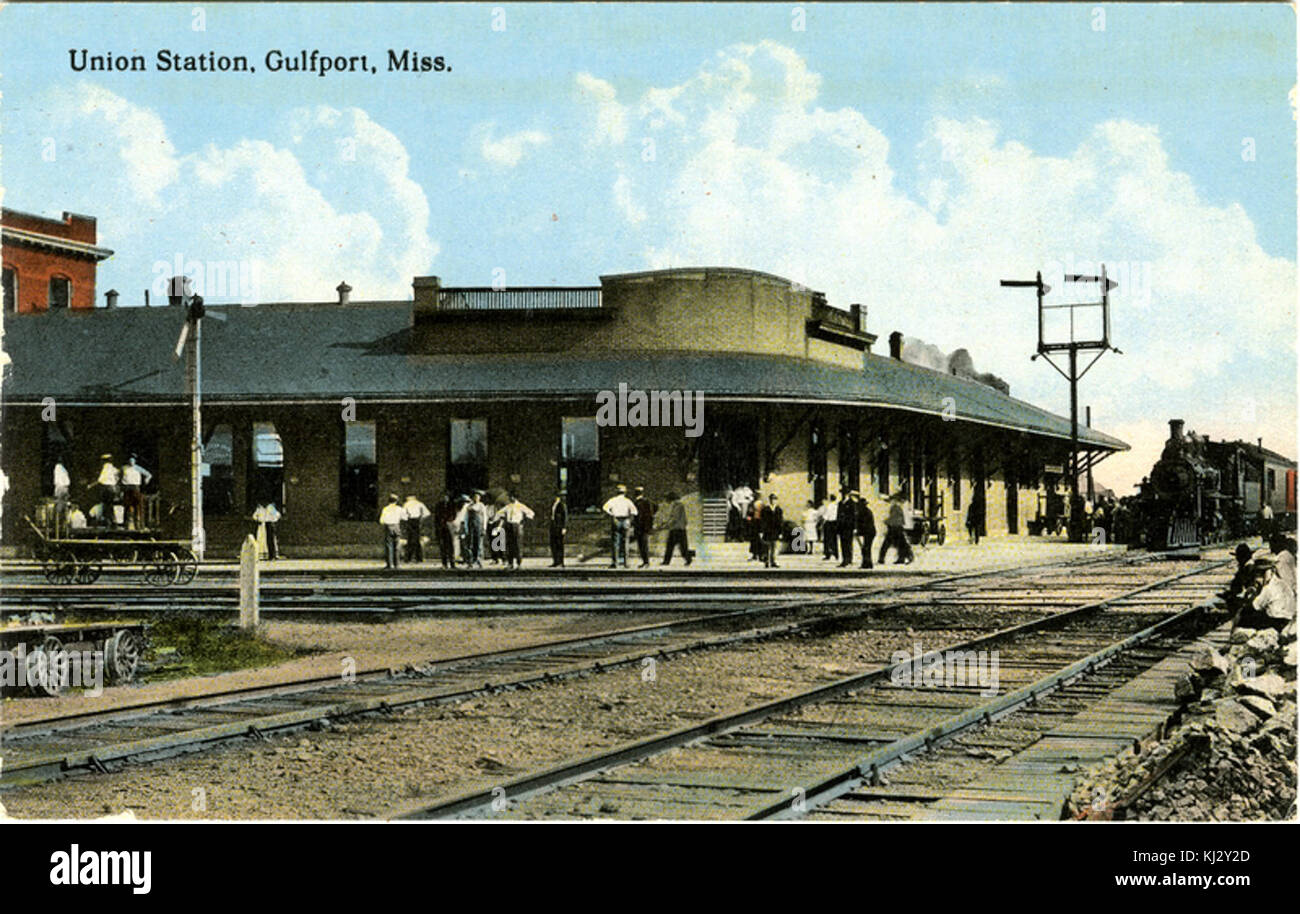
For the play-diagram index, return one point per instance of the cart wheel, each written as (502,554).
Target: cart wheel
(187,566)
(60,568)
(160,569)
(122,655)
(46,668)
(941,534)
(87,572)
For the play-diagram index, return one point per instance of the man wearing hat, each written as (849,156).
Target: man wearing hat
(476,519)
(620,511)
(642,524)
(391,520)
(559,527)
(866,524)
(107,482)
(846,524)
(134,478)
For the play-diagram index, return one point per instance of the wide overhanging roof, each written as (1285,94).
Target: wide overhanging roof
(362,350)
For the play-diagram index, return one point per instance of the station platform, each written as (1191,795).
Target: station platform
(711,559)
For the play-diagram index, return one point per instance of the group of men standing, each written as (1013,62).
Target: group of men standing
(464,528)
(634,518)
(114,487)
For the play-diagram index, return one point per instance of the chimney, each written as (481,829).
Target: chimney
(426,290)
(1175,429)
(896,345)
(177,288)
(859,317)
(146,298)
(345,292)
(110,298)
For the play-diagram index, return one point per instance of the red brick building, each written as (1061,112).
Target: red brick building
(48,263)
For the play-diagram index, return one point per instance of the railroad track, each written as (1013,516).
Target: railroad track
(45,749)
(812,750)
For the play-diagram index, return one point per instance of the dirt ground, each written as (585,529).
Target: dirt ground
(373,768)
(368,645)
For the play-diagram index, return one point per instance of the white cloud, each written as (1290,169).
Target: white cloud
(327,197)
(611,117)
(751,171)
(508,151)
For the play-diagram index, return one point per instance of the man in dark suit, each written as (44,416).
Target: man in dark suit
(866,528)
(559,527)
(846,523)
(773,524)
(642,524)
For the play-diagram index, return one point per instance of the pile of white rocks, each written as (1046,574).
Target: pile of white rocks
(1232,756)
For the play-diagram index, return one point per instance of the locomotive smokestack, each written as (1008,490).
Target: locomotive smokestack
(1176,429)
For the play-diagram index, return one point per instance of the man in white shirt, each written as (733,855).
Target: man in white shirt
(416,511)
(107,482)
(620,510)
(830,511)
(740,498)
(390,518)
(514,513)
(134,477)
(76,520)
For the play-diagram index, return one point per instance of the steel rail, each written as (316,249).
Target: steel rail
(480,802)
(539,649)
(200,736)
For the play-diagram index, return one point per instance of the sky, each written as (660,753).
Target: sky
(906,157)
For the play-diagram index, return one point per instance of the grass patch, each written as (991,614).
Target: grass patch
(185,645)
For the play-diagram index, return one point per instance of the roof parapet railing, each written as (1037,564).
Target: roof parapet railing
(542,298)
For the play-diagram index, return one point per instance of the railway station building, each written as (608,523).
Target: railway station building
(326,407)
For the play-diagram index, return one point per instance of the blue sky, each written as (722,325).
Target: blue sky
(902,156)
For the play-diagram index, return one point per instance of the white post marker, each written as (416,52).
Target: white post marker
(248,583)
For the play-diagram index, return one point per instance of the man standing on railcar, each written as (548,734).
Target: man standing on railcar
(416,511)
(620,510)
(134,478)
(62,484)
(107,482)
(846,525)
(642,524)
(559,527)
(391,520)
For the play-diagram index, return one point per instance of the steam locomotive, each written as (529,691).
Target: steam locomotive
(1182,502)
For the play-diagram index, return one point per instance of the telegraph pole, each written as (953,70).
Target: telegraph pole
(192,331)
(1073,346)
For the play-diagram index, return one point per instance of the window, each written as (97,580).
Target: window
(467,466)
(60,292)
(266,470)
(1272,481)
(817,459)
(218,472)
(882,471)
(580,462)
(359,472)
(10,290)
(849,459)
(954,481)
